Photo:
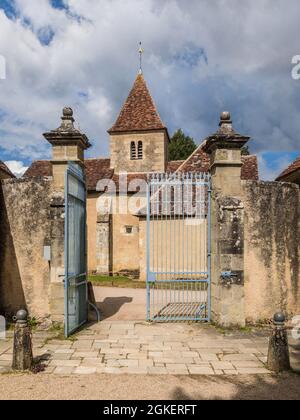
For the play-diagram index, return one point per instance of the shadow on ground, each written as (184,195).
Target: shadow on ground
(112,305)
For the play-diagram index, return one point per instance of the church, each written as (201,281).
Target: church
(139,143)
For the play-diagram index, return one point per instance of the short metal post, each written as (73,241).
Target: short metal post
(22,352)
(278,355)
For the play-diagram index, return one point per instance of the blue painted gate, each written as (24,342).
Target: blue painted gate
(178,247)
(76,292)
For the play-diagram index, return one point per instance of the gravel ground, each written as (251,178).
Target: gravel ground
(140,387)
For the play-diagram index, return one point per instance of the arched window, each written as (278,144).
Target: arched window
(132,151)
(140,150)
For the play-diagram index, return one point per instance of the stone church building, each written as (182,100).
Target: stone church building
(138,146)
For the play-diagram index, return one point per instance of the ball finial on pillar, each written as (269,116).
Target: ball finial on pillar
(278,355)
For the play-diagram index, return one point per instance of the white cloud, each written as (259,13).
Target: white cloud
(16,167)
(91,62)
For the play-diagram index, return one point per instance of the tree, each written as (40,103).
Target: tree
(181,146)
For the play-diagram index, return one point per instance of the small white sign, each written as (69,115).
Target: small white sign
(2,328)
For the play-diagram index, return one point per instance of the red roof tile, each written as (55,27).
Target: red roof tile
(99,169)
(173,165)
(39,168)
(250,168)
(139,111)
(5,169)
(96,169)
(199,161)
(290,169)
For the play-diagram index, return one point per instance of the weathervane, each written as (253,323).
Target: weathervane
(141,52)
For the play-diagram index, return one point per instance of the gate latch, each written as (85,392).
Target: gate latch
(228,278)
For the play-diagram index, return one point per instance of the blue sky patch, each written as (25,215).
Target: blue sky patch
(9,8)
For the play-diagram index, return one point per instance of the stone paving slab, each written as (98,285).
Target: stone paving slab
(144,348)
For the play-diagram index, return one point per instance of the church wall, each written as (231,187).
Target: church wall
(272,249)
(24,231)
(154,152)
(124,245)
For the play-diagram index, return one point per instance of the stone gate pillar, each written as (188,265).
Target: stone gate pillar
(68,145)
(227,218)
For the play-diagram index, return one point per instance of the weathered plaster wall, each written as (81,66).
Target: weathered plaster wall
(272,249)
(24,230)
(117,250)
(125,246)
(92,231)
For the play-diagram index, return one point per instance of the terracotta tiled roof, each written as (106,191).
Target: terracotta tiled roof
(200,161)
(139,111)
(290,169)
(39,168)
(250,168)
(99,169)
(173,165)
(5,169)
(96,169)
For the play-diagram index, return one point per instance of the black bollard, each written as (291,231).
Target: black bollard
(278,355)
(22,353)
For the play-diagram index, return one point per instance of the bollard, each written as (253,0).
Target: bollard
(278,355)
(22,353)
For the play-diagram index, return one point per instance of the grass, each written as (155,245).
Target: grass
(116,281)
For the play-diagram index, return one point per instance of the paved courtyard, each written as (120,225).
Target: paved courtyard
(118,303)
(141,348)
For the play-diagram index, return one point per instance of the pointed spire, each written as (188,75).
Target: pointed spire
(141,52)
(139,112)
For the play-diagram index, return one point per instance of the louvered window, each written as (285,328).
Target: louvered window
(132,151)
(140,150)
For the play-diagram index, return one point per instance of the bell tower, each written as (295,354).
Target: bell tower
(139,139)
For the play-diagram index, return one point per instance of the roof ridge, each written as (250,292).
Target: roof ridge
(292,167)
(192,155)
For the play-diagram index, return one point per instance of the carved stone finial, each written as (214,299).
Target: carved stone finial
(67,120)
(279,318)
(21,315)
(68,112)
(225,121)
(278,354)
(225,116)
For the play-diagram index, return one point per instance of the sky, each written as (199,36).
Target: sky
(201,57)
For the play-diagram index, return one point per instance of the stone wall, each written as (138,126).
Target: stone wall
(24,231)
(272,249)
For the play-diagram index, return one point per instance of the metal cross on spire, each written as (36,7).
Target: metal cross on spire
(141,52)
